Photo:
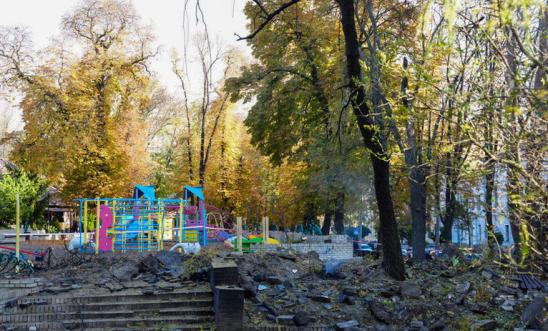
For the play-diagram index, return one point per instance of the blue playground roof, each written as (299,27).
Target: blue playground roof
(146,191)
(195,190)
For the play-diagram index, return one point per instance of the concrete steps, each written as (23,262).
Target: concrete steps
(129,310)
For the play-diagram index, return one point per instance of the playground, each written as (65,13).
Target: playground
(141,224)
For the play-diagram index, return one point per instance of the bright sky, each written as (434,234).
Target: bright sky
(224,18)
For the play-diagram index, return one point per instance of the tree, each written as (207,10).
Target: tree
(367,125)
(213,103)
(84,114)
(31,190)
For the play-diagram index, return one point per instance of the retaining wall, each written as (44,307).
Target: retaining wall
(326,251)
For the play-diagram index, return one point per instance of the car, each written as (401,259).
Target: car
(364,249)
(406,252)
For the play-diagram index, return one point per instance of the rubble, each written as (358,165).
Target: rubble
(534,312)
(296,290)
(438,294)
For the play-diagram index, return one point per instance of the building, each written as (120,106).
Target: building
(59,211)
(473,230)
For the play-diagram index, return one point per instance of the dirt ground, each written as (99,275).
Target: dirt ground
(286,288)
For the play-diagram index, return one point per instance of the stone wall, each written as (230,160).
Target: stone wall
(326,251)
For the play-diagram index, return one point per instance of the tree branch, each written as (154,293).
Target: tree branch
(267,20)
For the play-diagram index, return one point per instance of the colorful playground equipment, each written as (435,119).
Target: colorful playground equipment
(245,242)
(142,223)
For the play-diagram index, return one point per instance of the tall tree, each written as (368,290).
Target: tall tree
(83,114)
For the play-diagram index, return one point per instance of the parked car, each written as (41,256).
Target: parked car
(364,249)
(406,252)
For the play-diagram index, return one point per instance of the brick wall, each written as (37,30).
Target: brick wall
(326,251)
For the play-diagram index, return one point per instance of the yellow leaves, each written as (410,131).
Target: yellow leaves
(515,110)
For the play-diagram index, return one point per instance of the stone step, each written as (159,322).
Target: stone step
(116,297)
(132,305)
(148,323)
(62,316)
(177,327)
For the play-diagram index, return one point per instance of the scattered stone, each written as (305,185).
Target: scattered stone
(260,308)
(328,306)
(379,311)
(147,291)
(438,325)
(486,274)
(285,319)
(262,287)
(349,300)
(301,318)
(246,283)
(484,325)
(463,288)
(113,287)
(260,277)
(151,264)
(347,325)
(285,255)
(320,298)
(389,291)
(507,305)
(57,289)
(533,312)
(274,280)
(417,326)
(409,290)
(477,308)
(350,291)
(273,310)
(460,300)
(125,271)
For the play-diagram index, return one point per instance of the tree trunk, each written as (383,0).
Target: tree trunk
(309,216)
(326,226)
(417,187)
(388,228)
(450,204)
(339,213)
(489,186)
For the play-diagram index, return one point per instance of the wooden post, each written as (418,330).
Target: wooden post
(17,226)
(239,233)
(266,228)
(97,223)
(263,227)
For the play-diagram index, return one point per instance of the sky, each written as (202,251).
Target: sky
(223,17)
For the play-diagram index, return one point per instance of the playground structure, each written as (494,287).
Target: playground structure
(143,223)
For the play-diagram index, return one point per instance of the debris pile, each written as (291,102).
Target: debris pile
(108,273)
(299,290)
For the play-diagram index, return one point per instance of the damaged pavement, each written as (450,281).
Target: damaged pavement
(296,290)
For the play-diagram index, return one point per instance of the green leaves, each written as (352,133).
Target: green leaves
(31,190)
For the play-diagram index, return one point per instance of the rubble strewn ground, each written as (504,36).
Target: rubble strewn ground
(292,289)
